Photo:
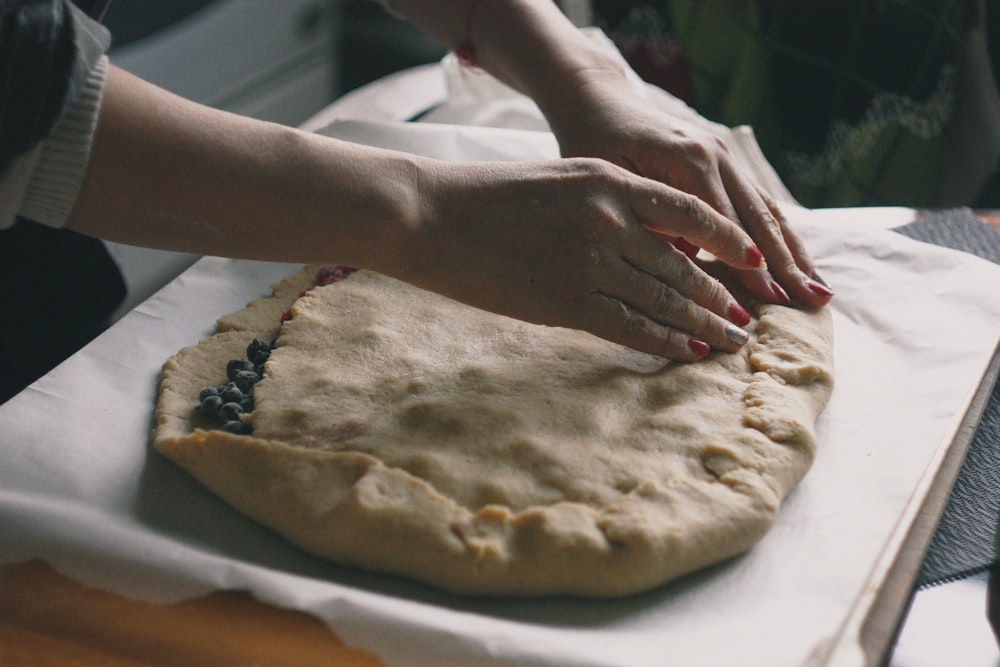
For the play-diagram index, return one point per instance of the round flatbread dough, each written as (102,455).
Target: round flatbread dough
(400,431)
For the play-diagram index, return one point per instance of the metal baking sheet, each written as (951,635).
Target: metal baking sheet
(869,633)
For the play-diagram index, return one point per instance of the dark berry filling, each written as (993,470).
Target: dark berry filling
(228,402)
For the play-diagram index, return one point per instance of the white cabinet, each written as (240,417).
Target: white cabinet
(267,59)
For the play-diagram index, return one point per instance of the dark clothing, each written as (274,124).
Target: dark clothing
(46,51)
(58,289)
(852,102)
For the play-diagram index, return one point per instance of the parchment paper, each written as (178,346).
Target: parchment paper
(915,327)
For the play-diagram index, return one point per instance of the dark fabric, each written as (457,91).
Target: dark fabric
(36,59)
(58,289)
(850,101)
(829,63)
(46,49)
(963,543)
(958,229)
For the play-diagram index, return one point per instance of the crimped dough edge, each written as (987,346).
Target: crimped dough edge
(353,509)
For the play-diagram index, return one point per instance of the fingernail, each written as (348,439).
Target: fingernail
(686,247)
(819,288)
(818,278)
(755,258)
(699,347)
(780,293)
(737,335)
(738,315)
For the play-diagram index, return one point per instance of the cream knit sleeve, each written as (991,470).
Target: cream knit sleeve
(43,183)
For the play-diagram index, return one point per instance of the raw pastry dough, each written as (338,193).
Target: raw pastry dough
(399,431)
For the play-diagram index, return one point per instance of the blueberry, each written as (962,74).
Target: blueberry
(258,351)
(247,403)
(211,405)
(236,427)
(230,411)
(231,393)
(245,380)
(206,392)
(237,365)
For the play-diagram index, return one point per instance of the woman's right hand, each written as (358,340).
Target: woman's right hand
(573,243)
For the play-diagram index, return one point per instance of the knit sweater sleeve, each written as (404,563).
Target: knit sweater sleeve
(52,69)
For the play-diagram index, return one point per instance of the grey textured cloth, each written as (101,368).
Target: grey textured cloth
(47,49)
(963,543)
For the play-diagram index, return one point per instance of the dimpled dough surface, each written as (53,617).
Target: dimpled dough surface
(399,431)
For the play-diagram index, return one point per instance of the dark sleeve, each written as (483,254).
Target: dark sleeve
(47,47)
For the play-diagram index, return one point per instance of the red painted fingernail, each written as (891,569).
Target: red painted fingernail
(738,315)
(686,247)
(699,347)
(755,258)
(780,293)
(819,288)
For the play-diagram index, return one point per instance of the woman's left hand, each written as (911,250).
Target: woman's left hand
(618,126)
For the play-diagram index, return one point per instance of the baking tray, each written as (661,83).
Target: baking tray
(869,633)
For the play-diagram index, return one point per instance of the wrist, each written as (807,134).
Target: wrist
(585,110)
(377,206)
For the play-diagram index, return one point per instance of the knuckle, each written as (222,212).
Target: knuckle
(713,291)
(634,329)
(668,305)
(633,326)
(700,153)
(770,202)
(673,344)
(705,150)
(769,225)
(691,317)
(595,169)
(691,207)
(760,210)
(720,145)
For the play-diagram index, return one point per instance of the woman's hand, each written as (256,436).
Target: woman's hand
(574,243)
(566,244)
(609,121)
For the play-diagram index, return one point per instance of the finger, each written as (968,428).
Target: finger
(761,284)
(675,214)
(689,249)
(649,267)
(813,291)
(788,267)
(672,291)
(626,325)
(716,196)
(700,311)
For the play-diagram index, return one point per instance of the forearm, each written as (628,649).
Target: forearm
(528,44)
(168,173)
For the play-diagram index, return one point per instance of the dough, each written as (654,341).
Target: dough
(399,431)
